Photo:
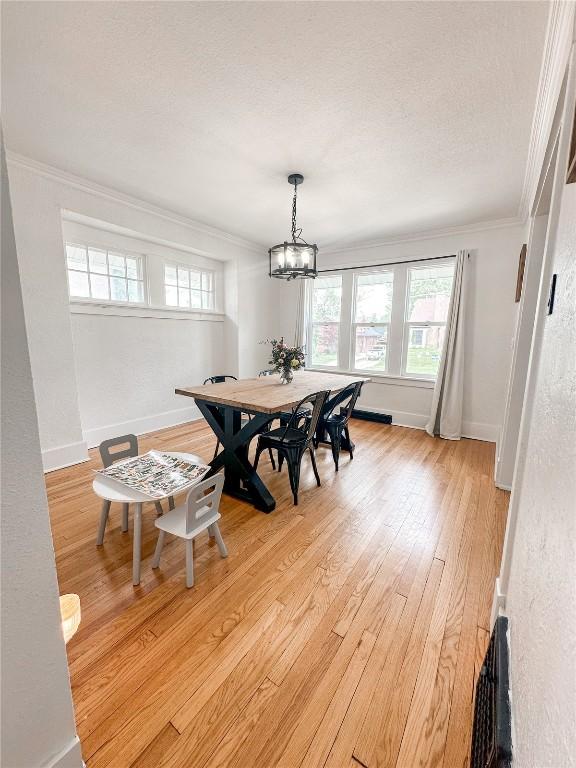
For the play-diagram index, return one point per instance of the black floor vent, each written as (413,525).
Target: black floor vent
(383,418)
(491,737)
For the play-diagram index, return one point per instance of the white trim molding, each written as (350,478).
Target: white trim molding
(498,602)
(77,453)
(555,59)
(64,456)
(478,430)
(380,378)
(463,229)
(69,757)
(137,310)
(142,426)
(472,430)
(93,188)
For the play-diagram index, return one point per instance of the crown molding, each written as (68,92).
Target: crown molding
(463,229)
(557,46)
(113,195)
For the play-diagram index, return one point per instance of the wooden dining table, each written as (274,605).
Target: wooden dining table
(264,399)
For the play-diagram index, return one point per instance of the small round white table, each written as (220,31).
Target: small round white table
(111,490)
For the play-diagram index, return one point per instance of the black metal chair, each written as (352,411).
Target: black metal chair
(219,379)
(295,438)
(335,425)
(110,457)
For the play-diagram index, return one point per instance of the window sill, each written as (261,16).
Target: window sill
(138,310)
(382,378)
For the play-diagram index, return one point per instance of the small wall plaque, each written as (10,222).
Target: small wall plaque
(571,174)
(520,278)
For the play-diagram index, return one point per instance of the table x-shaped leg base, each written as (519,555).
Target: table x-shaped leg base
(240,478)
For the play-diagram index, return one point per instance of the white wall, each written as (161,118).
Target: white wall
(506,456)
(490,325)
(38,726)
(85,392)
(539,576)
(129,361)
(259,316)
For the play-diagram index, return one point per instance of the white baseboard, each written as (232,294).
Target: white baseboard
(477,430)
(498,602)
(143,425)
(75,453)
(64,456)
(472,429)
(504,483)
(69,757)
(412,420)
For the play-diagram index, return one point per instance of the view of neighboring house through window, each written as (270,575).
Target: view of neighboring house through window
(188,288)
(325,316)
(429,291)
(372,314)
(96,273)
(390,321)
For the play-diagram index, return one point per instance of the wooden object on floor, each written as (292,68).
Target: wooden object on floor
(346,631)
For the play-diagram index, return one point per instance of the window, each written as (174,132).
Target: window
(96,273)
(188,288)
(429,290)
(387,321)
(372,313)
(325,321)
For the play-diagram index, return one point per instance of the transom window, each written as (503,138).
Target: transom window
(389,320)
(188,287)
(97,273)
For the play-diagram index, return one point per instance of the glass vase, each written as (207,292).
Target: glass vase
(286,375)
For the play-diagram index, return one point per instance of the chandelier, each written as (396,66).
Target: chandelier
(297,258)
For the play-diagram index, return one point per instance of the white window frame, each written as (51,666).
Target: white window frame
(354,325)
(190,268)
(398,327)
(310,323)
(410,324)
(140,258)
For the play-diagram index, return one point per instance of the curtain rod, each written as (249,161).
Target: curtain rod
(389,263)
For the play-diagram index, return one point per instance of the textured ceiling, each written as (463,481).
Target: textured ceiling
(403,116)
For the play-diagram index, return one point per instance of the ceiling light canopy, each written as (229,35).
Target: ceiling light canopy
(296,258)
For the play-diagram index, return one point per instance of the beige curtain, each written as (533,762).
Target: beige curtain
(446,415)
(299,324)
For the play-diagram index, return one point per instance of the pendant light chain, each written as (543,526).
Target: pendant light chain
(294,214)
(296,231)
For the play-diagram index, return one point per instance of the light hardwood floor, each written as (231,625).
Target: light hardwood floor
(343,632)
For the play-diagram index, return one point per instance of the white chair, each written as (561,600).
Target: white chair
(199,512)
(109,457)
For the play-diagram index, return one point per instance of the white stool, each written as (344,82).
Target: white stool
(199,512)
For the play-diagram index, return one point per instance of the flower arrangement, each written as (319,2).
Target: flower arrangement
(286,360)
